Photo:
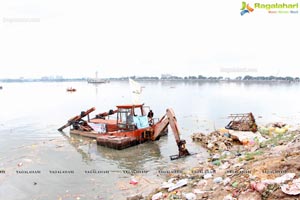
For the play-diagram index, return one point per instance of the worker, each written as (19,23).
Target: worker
(150,114)
(150,117)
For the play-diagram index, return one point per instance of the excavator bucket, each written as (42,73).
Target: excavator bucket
(182,151)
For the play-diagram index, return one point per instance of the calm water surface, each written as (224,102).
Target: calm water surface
(32,112)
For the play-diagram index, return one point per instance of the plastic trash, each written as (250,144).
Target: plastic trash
(263,130)
(245,142)
(281,179)
(280,130)
(216,162)
(133,181)
(197,191)
(226,165)
(168,184)
(218,180)
(226,181)
(227,135)
(291,189)
(207,176)
(259,187)
(190,196)
(157,196)
(216,157)
(202,183)
(179,184)
(235,184)
(226,153)
(210,145)
(228,197)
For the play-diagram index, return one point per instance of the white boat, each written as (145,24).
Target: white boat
(97,80)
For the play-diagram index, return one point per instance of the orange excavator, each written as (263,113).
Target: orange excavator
(124,131)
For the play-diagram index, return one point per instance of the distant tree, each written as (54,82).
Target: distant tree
(247,78)
(212,78)
(272,78)
(288,78)
(192,77)
(201,77)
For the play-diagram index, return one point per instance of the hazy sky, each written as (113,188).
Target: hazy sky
(138,37)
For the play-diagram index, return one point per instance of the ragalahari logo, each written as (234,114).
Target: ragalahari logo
(246,8)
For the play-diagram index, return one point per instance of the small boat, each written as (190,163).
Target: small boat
(126,126)
(1,87)
(70,89)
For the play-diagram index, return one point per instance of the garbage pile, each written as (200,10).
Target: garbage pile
(214,141)
(273,128)
(239,171)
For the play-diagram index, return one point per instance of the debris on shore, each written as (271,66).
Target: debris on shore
(243,165)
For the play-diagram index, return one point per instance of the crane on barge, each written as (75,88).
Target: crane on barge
(122,134)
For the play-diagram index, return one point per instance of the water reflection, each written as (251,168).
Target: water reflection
(132,158)
(77,142)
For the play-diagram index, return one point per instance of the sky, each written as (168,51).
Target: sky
(145,38)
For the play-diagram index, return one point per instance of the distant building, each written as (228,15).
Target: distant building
(59,77)
(166,76)
(44,78)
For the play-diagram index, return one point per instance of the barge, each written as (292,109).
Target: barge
(126,126)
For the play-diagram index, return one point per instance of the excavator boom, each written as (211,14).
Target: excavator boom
(77,118)
(170,119)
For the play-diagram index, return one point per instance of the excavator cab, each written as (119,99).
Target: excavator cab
(126,115)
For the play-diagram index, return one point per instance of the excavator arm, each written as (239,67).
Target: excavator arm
(170,119)
(77,118)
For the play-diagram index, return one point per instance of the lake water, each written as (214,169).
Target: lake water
(31,113)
